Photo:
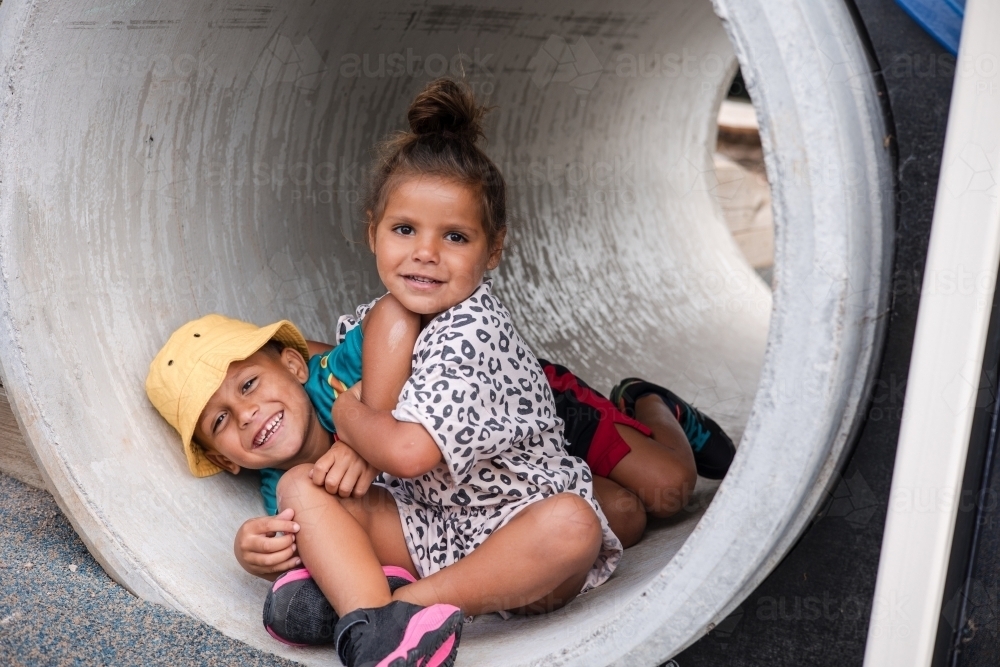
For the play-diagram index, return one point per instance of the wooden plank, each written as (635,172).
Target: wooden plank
(15,459)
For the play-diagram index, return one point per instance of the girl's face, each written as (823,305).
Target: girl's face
(430,246)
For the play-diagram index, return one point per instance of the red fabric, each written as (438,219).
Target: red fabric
(607,448)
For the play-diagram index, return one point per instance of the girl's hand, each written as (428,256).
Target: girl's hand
(263,553)
(342,472)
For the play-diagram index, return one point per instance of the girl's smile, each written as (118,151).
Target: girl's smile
(430,246)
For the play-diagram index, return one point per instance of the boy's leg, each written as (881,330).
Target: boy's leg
(660,469)
(345,542)
(537,562)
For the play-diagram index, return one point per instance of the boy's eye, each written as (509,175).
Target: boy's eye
(217,423)
(248,385)
(455,237)
(405,230)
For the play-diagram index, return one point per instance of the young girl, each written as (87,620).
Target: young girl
(491,512)
(480,494)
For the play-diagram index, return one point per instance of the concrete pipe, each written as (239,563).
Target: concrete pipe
(164,160)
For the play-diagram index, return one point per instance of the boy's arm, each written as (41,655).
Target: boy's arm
(390,333)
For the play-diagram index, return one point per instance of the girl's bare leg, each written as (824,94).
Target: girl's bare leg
(624,510)
(535,563)
(345,542)
(660,470)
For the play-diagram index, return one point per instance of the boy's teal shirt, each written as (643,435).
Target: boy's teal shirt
(329,374)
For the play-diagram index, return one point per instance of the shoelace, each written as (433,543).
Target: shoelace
(695,431)
(345,642)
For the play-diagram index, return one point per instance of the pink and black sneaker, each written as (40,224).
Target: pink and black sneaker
(296,612)
(400,634)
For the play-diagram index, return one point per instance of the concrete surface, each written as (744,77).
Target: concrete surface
(199,157)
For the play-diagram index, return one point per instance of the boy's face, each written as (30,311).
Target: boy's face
(261,416)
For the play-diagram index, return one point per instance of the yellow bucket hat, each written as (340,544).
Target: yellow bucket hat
(192,365)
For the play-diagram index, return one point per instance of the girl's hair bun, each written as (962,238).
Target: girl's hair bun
(445,124)
(448,109)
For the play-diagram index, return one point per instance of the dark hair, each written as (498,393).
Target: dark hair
(445,124)
(273,348)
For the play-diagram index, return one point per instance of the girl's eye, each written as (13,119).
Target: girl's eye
(218,423)
(405,230)
(248,385)
(455,237)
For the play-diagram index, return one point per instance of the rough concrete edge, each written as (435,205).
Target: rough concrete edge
(869,292)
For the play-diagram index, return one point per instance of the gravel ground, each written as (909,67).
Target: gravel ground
(58,607)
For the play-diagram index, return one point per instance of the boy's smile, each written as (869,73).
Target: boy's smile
(261,416)
(269,429)
(430,246)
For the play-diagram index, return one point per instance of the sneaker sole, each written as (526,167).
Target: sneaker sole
(430,640)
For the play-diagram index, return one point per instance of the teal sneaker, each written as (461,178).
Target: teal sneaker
(713,449)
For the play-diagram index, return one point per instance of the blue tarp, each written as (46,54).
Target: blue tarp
(941,18)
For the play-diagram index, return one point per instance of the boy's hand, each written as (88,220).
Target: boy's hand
(342,472)
(263,554)
(355,390)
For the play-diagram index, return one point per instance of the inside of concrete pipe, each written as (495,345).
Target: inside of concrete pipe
(206,157)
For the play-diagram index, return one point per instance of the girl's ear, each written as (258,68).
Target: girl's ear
(497,251)
(221,461)
(371,231)
(292,360)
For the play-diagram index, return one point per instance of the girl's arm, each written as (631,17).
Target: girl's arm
(390,333)
(401,449)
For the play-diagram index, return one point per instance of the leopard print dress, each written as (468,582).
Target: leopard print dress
(481,394)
